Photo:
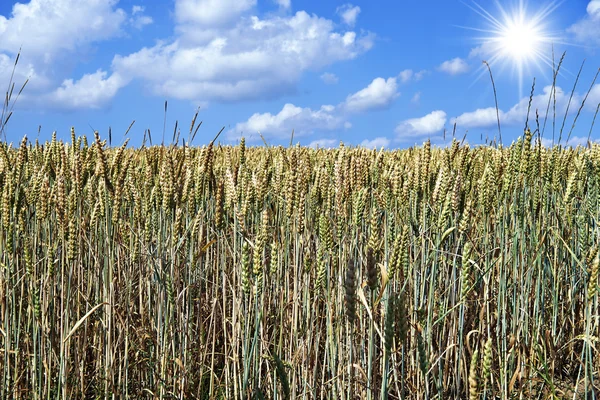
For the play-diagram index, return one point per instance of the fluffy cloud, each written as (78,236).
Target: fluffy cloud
(379,94)
(376,143)
(255,59)
(454,67)
(329,78)
(587,30)
(53,33)
(324,143)
(303,121)
(348,13)
(25,70)
(47,28)
(210,13)
(483,50)
(574,141)
(430,124)
(416,99)
(91,91)
(138,20)
(408,75)
(482,117)
(284,4)
(405,75)
(594,96)
(219,51)
(517,114)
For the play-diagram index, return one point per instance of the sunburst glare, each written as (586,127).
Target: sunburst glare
(517,39)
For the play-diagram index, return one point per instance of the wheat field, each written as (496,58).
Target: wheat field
(234,272)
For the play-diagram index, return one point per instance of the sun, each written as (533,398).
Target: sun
(517,39)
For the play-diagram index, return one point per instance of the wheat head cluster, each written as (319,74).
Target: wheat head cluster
(235,272)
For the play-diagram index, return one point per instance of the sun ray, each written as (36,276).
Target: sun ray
(517,39)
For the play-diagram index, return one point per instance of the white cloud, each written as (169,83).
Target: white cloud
(324,143)
(256,59)
(138,20)
(405,75)
(348,13)
(210,13)
(91,91)
(303,121)
(376,143)
(419,75)
(416,99)
(141,21)
(517,114)
(47,28)
(329,78)
(379,94)
(54,33)
(479,50)
(482,117)
(429,124)
(284,4)
(219,51)
(454,67)
(587,29)
(23,71)
(574,141)
(408,74)
(594,97)
(593,8)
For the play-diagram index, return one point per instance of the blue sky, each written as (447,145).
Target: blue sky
(384,73)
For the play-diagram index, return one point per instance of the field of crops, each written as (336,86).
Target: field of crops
(284,273)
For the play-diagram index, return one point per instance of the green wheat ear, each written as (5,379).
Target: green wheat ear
(594,268)
(473,380)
